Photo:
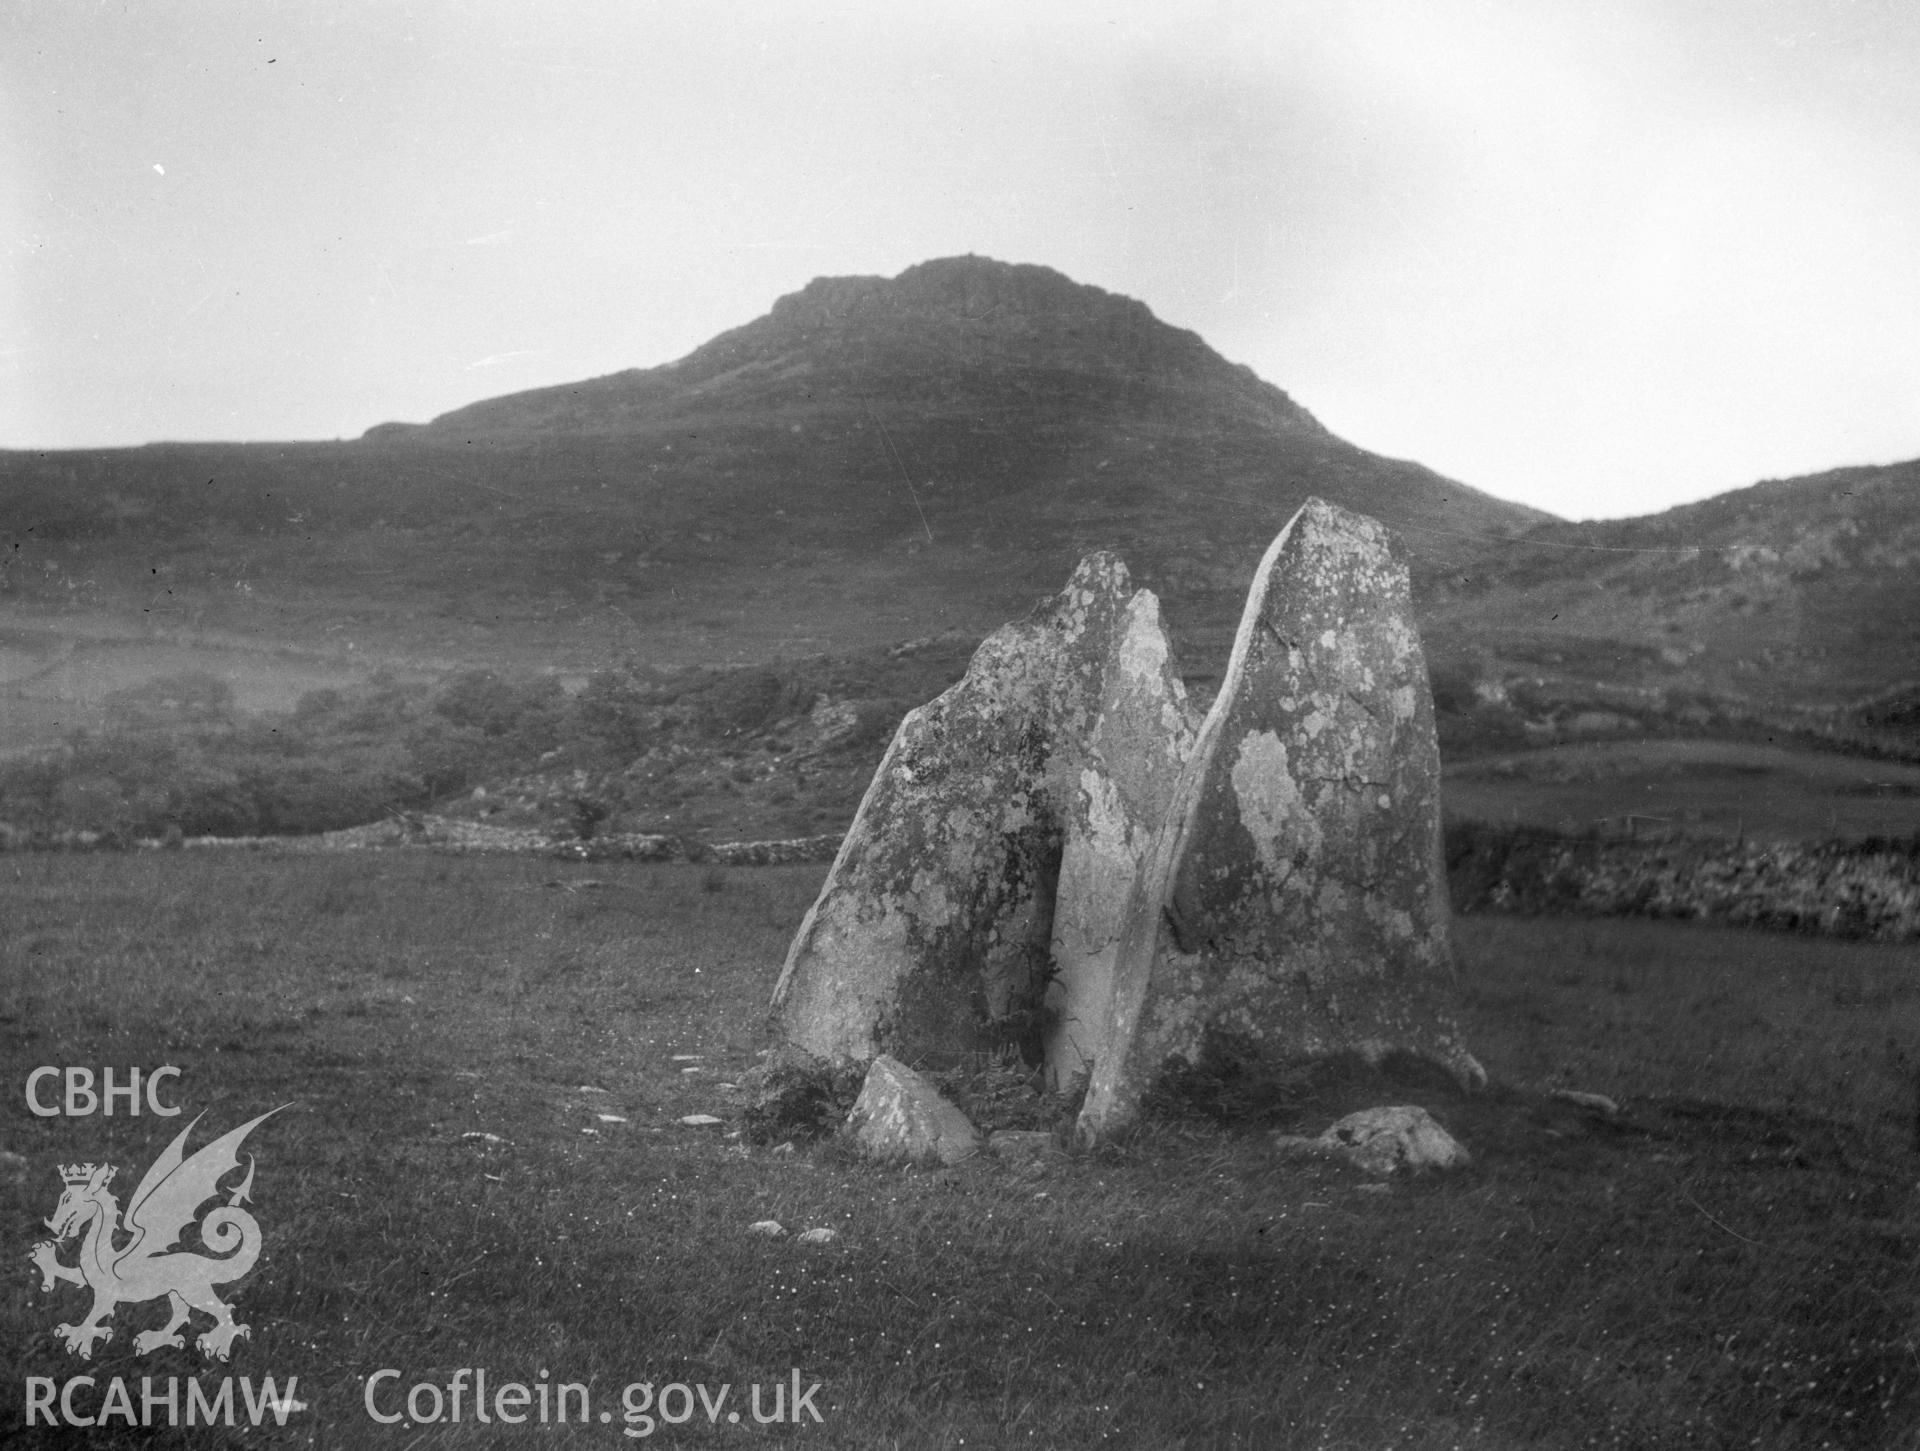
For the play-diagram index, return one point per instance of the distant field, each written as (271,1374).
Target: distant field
(1701,787)
(57,668)
(55,676)
(1731,1263)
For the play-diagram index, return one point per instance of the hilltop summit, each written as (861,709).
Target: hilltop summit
(941,445)
(966,331)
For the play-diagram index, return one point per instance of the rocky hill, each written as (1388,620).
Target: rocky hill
(959,335)
(874,460)
(1798,592)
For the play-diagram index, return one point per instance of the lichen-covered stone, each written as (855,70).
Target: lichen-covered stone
(1296,897)
(932,937)
(901,1118)
(1403,1138)
(1130,756)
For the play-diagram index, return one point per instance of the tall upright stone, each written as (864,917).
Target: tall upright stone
(1296,899)
(1120,782)
(932,938)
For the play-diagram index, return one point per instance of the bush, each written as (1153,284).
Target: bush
(447,757)
(589,813)
(167,702)
(527,714)
(616,715)
(736,702)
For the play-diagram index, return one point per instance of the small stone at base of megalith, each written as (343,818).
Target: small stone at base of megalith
(900,1117)
(1384,1141)
(1297,896)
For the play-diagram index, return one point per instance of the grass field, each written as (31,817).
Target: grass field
(1732,1262)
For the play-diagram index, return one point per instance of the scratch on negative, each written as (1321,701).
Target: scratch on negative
(1716,1223)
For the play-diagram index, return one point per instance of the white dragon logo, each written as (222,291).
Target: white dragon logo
(149,1265)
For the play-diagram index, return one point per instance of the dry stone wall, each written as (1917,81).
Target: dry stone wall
(1863,889)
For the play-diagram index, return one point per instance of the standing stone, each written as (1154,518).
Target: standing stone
(932,937)
(1296,899)
(1128,763)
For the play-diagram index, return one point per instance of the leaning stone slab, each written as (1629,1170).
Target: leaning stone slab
(900,1117)
(1119,775)
(1296,898)
(933,935)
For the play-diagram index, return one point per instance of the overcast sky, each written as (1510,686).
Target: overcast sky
(1598,257)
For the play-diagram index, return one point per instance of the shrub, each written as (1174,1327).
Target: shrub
(527,713)
(616,715)
(735,702)
(589,812)
(195,697)
(447,757)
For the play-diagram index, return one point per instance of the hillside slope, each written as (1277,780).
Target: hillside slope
(873,460)
(1798,592)
(883,460)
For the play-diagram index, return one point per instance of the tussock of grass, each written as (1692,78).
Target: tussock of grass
(1000,1091)
(800,1101)
(1730,1262)
(1235,1085)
